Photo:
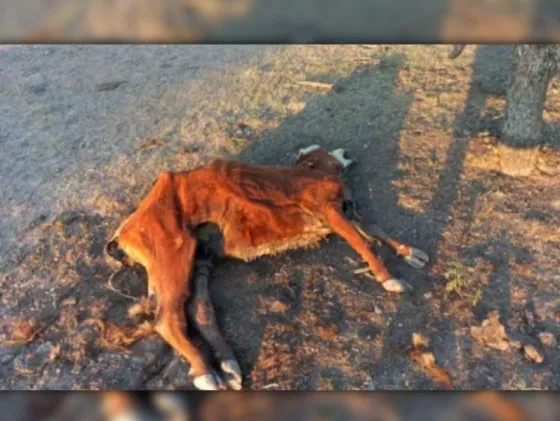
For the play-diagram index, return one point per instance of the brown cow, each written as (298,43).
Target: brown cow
(259,210)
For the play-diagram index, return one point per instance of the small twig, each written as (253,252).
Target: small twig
(364,271)
(317,85)
(361,271)
(364,234)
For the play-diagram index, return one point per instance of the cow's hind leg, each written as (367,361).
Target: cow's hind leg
(344,228)
(171,325)
(413,256)
(202,314)
(170,275)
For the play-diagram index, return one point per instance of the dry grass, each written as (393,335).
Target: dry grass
(119,336)
(24,331)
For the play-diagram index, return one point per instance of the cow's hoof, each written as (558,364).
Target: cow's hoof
(417,258)
(395,285)
(232,372)
(209,382)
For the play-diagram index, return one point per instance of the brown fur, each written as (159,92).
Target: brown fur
(260,210)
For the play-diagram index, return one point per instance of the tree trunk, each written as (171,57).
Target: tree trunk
(532,69)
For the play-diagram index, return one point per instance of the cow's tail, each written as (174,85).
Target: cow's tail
(115,257)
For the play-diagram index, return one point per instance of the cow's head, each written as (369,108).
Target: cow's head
(334,162)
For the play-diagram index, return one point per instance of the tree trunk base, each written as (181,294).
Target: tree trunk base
(518,162)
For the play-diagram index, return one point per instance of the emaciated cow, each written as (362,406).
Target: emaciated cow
(259,210)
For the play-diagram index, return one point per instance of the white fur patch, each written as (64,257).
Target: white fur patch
(308,150)
(339,155)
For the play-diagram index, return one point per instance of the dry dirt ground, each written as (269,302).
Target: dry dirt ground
(80,149)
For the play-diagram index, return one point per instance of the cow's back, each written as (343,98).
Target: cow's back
(275,185)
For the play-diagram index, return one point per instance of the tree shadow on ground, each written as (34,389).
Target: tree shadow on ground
(489,77)
(369,127)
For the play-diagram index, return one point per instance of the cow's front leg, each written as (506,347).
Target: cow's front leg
(344,228)
(413,256)
(202,314)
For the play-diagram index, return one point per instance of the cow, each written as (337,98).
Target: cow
(258,211)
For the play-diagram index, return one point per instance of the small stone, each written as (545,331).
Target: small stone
(532,354)
(547,339)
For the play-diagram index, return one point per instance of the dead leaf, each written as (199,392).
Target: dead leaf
(328,332)
(279,307)
(532,354)
(426,360)
(491,333)
(419,341)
